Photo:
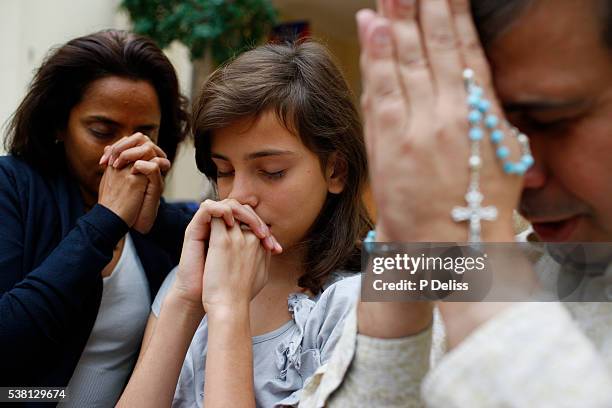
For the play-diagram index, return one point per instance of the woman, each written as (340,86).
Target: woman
(85,242)
(278,131)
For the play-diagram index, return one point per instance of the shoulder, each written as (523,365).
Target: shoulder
(11,164)
(321,316)
(342,291)
(10,167)
(16,179)
(17,174)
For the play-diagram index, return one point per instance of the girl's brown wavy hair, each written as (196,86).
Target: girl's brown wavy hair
(311,98)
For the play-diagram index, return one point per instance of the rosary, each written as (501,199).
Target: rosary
(482,120)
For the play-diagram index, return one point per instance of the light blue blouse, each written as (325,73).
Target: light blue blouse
(284,358)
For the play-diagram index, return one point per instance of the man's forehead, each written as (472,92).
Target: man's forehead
(554,51)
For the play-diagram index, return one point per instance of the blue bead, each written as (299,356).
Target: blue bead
(520,168)
(503,152)
(369,240)
(476,133)
(477,91)
(527,160)
(473,101)
(484,106)
(497,136)
(474,117)
(491,121)
(509,167)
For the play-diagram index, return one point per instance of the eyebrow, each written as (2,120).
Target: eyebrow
(109,121)
(543,105)
(257,155)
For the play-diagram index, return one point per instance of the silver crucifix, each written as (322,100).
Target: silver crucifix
(473,213)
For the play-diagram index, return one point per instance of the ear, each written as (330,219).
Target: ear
(336,173)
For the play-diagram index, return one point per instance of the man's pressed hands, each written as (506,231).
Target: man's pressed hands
(417,128)
(416,121)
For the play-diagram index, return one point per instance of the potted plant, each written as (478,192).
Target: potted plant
(212,30)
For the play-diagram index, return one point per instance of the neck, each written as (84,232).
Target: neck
(269,307)
(286,267)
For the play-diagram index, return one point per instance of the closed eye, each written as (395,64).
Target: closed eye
(547,126)
(221,174)
(274,175)
(101,135)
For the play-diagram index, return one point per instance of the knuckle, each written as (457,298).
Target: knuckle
(442,39)
(250,238)
(224,241)
(390,110)
(460,6)
(412,60)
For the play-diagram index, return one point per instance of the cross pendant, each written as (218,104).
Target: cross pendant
(474,213)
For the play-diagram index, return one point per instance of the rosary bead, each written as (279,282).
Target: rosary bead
(491,121)
(473,101)
(497,136)
(527,160)
(503,152)
(484,106)
(475,134)
(475,162)
(475,117)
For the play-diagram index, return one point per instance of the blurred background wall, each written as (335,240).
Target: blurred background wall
(29,28)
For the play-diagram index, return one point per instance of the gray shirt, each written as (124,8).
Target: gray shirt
(112,347)
(282,359)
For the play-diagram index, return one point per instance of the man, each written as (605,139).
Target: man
(548,67)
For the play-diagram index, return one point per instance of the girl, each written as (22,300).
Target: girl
(278,132)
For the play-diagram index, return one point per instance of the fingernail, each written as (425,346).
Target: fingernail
(269,243)
(264,230)
(361,16)
(278,248)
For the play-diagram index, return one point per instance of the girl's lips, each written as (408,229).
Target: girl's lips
(558,231)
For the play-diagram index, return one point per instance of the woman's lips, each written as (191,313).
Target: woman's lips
(557,231)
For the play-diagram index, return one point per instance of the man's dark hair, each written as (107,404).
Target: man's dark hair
(65,75)
(493,17)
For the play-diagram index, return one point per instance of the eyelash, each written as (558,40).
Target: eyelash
(221,174)
(101,135)
(272,176)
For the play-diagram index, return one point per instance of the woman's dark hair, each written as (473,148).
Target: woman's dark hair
(63,78)
(493,17)
(310,97)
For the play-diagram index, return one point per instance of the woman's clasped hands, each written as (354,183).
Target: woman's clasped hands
(133,180)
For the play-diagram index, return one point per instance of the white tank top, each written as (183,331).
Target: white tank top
(113,344)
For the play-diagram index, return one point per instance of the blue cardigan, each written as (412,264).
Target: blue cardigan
(51,256)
